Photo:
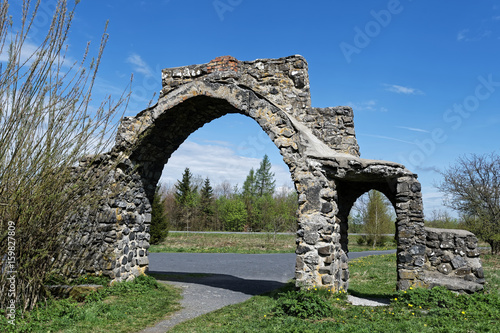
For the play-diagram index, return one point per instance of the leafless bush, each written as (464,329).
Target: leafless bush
(47,123)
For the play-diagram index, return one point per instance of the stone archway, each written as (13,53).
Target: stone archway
(317,144)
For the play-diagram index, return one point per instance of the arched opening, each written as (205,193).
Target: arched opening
(371,195)
(349,192)
(171,130)
(173,126)
(220,155)
(373,219)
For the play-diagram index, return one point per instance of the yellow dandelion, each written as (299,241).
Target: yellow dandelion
(463,312)
(410,305)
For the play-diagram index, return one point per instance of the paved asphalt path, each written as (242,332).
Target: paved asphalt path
(210,281)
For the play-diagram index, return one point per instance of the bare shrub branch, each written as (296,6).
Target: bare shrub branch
(47,124)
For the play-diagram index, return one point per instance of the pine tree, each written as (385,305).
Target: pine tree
(186,196)
(207,203)
(264,178)
(249,186)
(185,191)
(159,222)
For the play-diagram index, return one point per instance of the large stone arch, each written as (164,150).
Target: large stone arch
(318,145)
(168,125)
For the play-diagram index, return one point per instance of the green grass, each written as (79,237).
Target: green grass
(373,276)
(417,310)
(241,243)
(123,307)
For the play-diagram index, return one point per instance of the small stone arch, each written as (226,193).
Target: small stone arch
(318,145)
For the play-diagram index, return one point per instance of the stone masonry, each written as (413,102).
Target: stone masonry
(318,145)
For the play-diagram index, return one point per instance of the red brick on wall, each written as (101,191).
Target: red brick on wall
(224,63)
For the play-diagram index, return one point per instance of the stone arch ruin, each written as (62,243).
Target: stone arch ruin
(317,144)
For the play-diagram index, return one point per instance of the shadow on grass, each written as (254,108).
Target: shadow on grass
(223,281)
(373,296)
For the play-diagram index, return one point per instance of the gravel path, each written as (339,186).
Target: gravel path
(210,281)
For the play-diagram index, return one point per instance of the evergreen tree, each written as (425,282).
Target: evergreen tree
(249,186)
(249,196)
(185,193)
(207,203)
(186,196)
(264,178)
(159,222)
(378,220)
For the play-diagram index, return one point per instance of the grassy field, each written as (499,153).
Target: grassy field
(132,306)
(242,243)
(417,310)
(123,307)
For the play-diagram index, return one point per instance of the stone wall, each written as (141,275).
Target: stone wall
(318,145)
(452,260)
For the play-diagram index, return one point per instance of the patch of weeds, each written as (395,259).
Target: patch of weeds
(441,303)
(312,303)
(92,279)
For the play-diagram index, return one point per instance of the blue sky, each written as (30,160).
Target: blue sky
(423,77)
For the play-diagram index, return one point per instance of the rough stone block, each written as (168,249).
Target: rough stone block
(311,259)
(327,279)
(445,269)
(473,253)
(433,244)
(325,250)
(479,273)
(303,248)
(417,250)
(458,261)
(406,274)
(447,244)
(142,261)
(419,261)
(463,271)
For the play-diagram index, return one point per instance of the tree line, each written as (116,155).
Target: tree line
(194,205)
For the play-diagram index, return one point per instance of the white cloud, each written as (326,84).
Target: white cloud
(220,143)
(434,201)
(216,162)
(30,53)
(370,105)
(386,138)
(402,89)
(413,129)
(363,106)
(465,35)
(139,64)
(462,34)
